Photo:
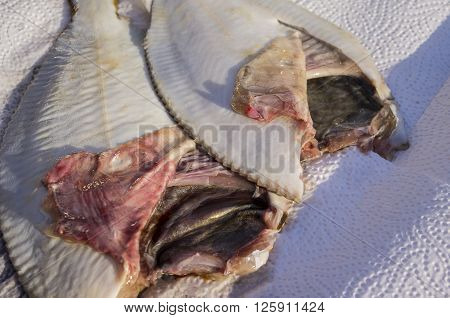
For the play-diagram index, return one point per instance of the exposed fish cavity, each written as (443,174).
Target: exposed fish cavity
(160,207)
(335,104)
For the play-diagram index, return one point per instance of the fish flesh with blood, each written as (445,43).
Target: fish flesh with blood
(105,200)
(274,84)
(92,93)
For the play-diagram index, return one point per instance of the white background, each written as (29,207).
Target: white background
(332,307)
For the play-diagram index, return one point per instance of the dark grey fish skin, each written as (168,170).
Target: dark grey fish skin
(346,111)
(340,103)
(211,221)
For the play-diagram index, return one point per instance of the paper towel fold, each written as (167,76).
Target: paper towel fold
(27,31)
(369,227)
(372,228)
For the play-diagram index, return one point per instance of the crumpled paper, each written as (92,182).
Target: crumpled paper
(368,227)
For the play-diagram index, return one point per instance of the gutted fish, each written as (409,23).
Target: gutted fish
(92,93)
(277,64)
(154,197)
(102,194)
(342,104)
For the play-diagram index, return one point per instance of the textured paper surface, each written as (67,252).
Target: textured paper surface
(372,228)
(27,31)
(369,227)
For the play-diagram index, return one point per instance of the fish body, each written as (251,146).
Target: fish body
(210,60)
(92,93)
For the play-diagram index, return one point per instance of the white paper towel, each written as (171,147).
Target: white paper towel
(372,227)
(27,31)
(369,227)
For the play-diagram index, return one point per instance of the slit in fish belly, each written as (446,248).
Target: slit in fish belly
(159,207)
(313,83)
